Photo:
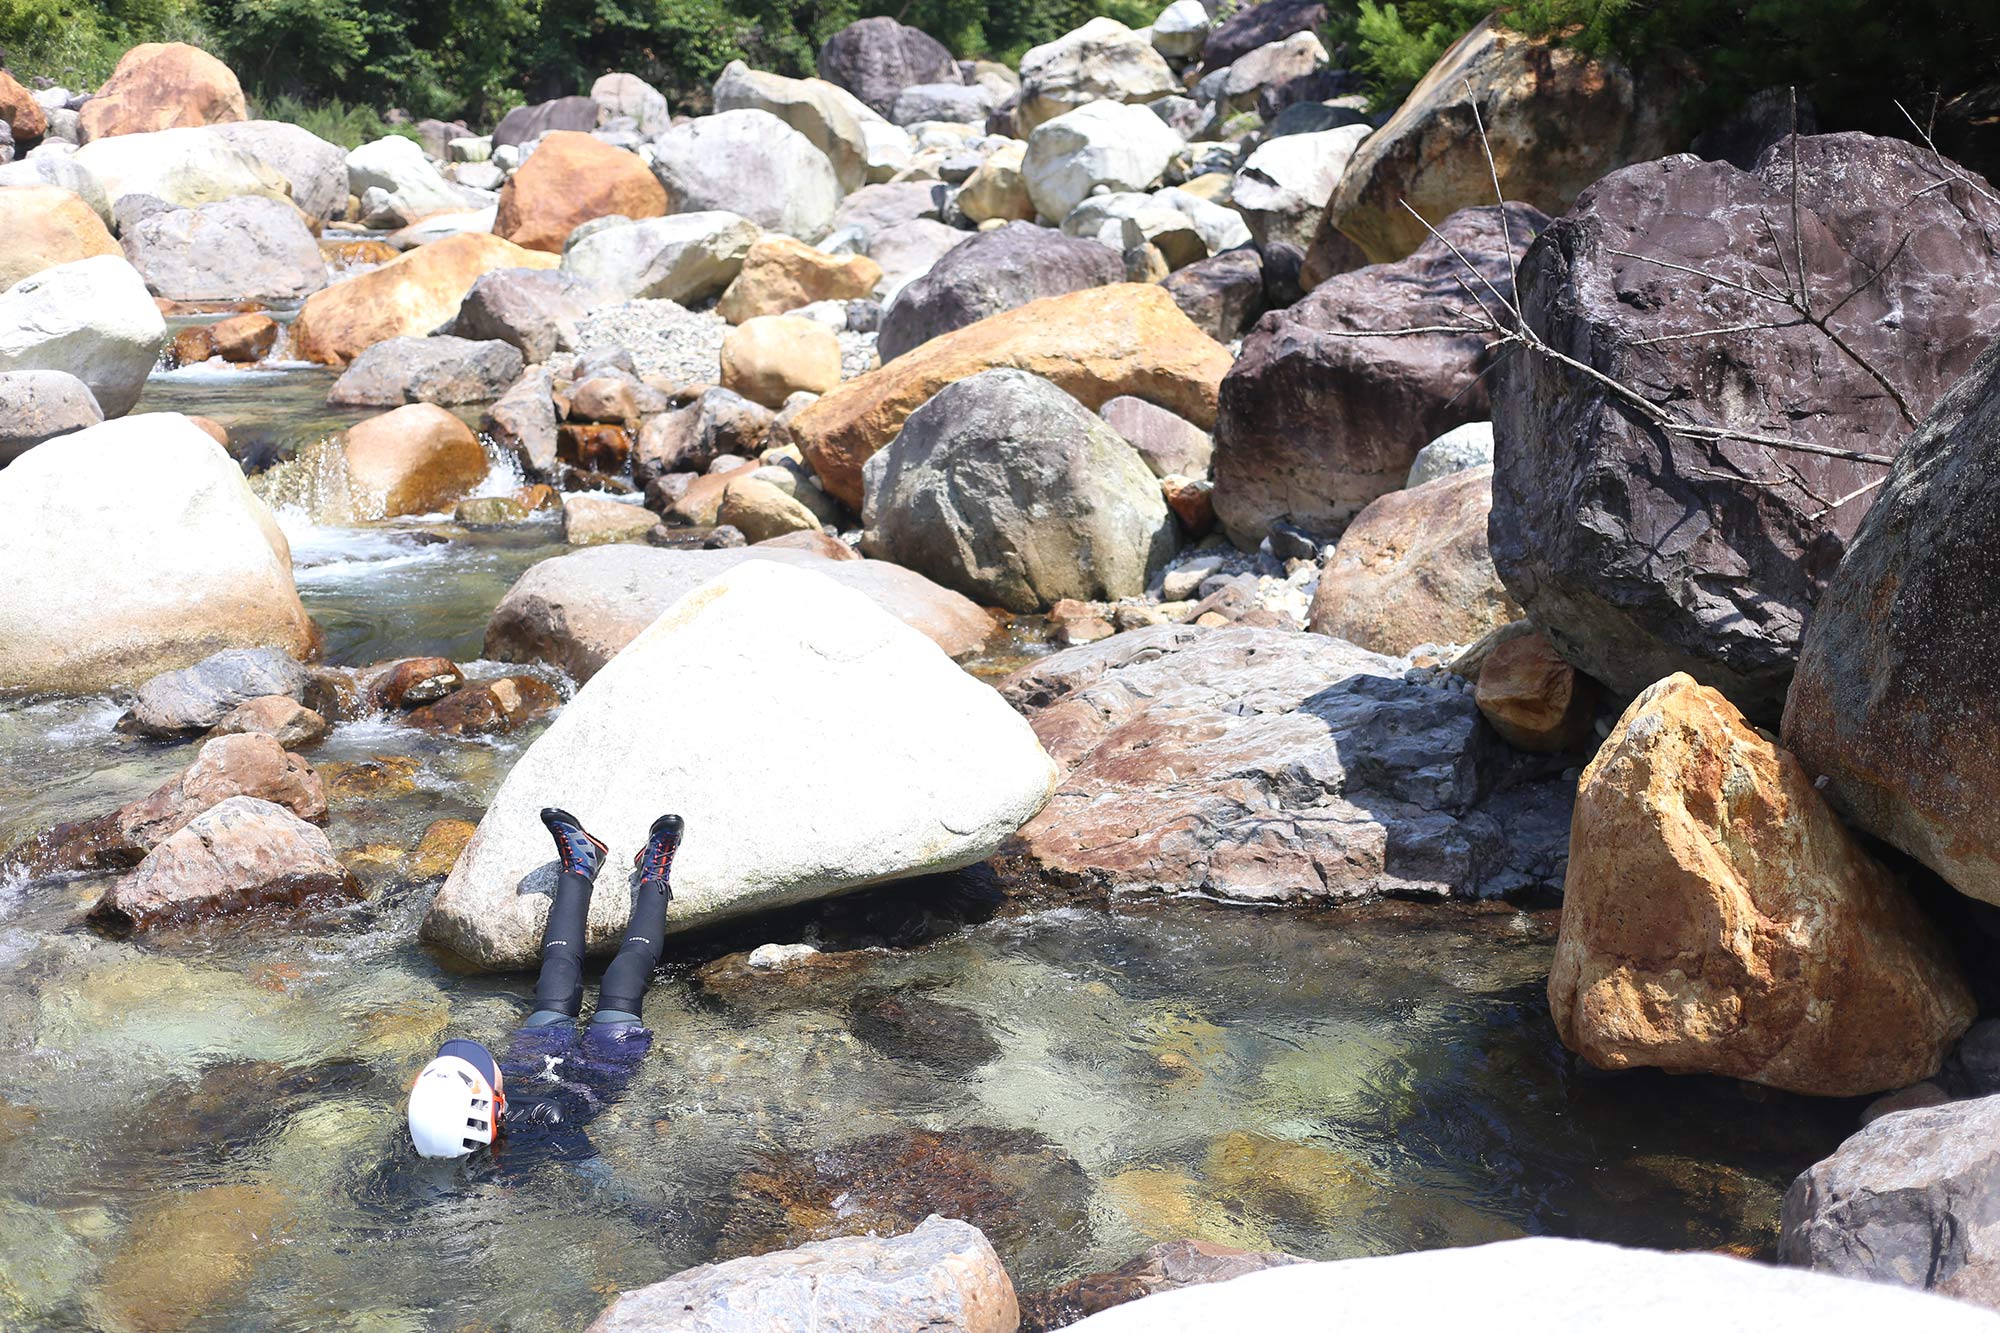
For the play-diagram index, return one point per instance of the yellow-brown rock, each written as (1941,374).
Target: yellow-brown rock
(186,1252)
(438,850)
(568,180)
(772,357)
(19,111)
(244,338)
(1095,344)
(1533,698)
(408,297)
(163,86)
(46,225)
(417,459)
(1717,918)
(781,273)
(996,191)
(760,511)
(1414,568)
(592,520)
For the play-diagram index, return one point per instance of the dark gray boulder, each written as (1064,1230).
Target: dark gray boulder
(689,439)
(525,123)
(37,405)
(876,58)
(196,698)
(1008,490)
(247,248)
(1258,25)
(1171,445)
(1896,703)
(1643,553)
(524,307)
(441,369)
(523,421)
(1223,294)
(1313,424)
(1913,1200)
(993,271)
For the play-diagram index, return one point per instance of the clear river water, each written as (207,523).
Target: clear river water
(201,1129)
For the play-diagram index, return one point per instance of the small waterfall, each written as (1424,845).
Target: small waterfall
(313,485)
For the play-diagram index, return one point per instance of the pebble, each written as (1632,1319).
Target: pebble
(663,338)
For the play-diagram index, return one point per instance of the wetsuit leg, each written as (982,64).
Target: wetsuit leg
(559,989)
(631,972)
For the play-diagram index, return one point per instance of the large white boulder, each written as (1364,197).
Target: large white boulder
(398,167)
(91,318)
(813,742)
(1181,30)
(185,167)
(1104,143)
(749,162)
(1543,1285)
(822,111)
(251,248)
(1283,187)
(686,258)
(132,548)
(1102,60)
(315,169)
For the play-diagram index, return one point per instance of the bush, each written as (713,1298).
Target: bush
(335,121)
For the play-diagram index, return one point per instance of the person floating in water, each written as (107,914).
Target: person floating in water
(556,1079)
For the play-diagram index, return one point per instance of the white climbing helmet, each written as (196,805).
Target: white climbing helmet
(454,1107)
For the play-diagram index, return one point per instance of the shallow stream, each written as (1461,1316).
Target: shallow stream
(201,1129)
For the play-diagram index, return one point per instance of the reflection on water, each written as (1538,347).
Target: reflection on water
(201,1129)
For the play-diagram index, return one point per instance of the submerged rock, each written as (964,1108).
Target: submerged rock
(81,610)
(196,698)
(1717,918)
(238,854)
(896,763)
(1261,765)
(942,1277)
(1913,1199)
(1168,1266)
(577,611)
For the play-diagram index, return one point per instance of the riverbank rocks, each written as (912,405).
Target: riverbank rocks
(91,318)
(1110,144)
(1895,705)
(876,58)
(1010,491)
(1094,345)
(772,357)
(593,520)
(1459,448)
(418,459)
(45,226)
(407,297)
(81,613)
(631,96)
(195,698)
(411,187)
(941,1278)
(1263,765)
(577,611)
(163,86)
(23,116)
(1101,61)
(1282,188)
(525,124)
(1223,294)
(1413,568)
(1555,1286)
(315,169)
(240,854)
(534,310)
(185,168)
(896,763)
(37,405)
(568,180)
(686,258)
(1644,553)
(1532,94)
(750,163)
(427,370)
(996,189)
(1256,26)
(996,270)
(241,249)
(1313,425)
(1913,1200)
(780,274)
(1717,918)
(829,116)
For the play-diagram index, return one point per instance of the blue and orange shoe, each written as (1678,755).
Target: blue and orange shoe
(656,859)
(579,853)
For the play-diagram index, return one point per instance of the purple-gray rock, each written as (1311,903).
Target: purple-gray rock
(525,307)
(1643,553)
(196,698)
(525,123)
(1223,294)
(1258,25)
(876,58)
(993,271)
(443,370)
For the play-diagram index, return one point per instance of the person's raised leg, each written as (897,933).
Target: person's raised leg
(631,972)
(559,989)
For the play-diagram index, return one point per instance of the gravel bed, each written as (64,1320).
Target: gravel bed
(665,338)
